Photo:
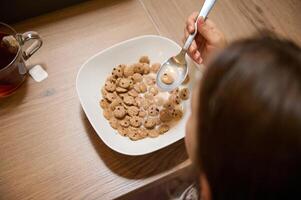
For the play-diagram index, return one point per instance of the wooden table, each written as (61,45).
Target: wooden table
(48,150)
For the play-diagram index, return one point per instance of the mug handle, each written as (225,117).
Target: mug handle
(33,47)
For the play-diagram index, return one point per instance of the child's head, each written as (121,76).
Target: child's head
(245,127)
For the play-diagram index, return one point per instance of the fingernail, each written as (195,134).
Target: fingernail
(201,20)
(200,60)
(190,28)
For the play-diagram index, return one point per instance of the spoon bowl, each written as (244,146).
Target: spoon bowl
(176,66)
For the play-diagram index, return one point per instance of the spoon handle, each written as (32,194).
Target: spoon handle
(207,6)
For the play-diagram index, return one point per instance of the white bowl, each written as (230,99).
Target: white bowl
(91,78)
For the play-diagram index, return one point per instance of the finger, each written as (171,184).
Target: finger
(198,57)
(192,49)
(200,60)
(207,29)
(193,46)
(192,56)
(191,21)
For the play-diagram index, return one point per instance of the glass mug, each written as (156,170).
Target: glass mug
(15,49)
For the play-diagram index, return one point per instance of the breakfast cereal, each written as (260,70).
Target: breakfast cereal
(167,78)
(119,112)
(138,68)
(155,67)
(128,71)
(133,111)
(104,104)
(134,106)
(163,128)
(136,121)
(144,59)
(110,86)
(114,123)
(184,93)
(150,123)
(121,90)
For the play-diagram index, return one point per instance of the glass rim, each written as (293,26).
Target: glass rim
(19,48)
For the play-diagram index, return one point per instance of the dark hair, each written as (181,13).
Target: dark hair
(249,143)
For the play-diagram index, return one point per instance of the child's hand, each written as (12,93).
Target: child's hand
(208,39)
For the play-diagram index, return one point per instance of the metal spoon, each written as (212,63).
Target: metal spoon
(176,66)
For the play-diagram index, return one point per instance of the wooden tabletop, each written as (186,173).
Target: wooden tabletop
(48,149)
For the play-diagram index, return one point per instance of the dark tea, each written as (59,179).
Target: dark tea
(12,66)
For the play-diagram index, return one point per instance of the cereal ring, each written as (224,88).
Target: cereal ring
(163,129)
(155,67)
(153,90)
(175,91)
(128,71)
(114,123)
(129,100)
(150,123)
(146,68)
(122,66)
(110,86)
(142,132)
(168,105)
(142,113)
(145,104)
(137,77)
(117,72)
(165,116)
(138,68)
(140,87)
(177,114)
(125,123)
(153,133)
(122,131)
(139,101)
(136,121)
(133,129)
(107,114)
(167,78)
(134,136)
(143,87)
(117,81)
(124,83)
(121,90)
(184,94)
(111,96)
(116,102)
(133,111)
(175,99)
(153,110)
(137,87)
(133,93)
(119,112)
(144,59)
(150,80)
(104,92)
(123,95)
(104,104)
(111,79)
(131,82)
